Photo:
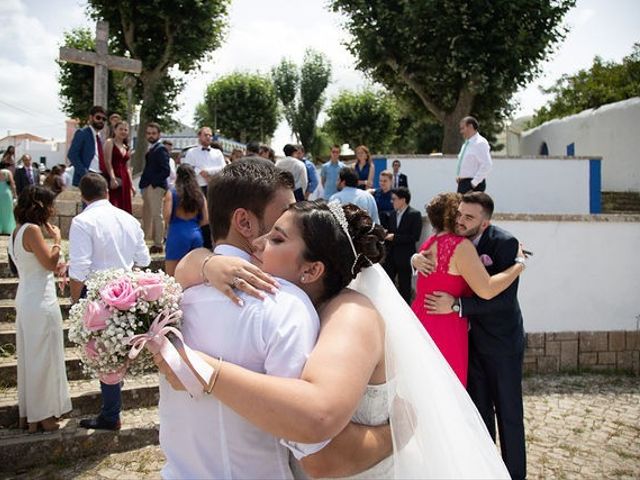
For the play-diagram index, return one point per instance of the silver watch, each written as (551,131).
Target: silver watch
(521,260)
(456,305)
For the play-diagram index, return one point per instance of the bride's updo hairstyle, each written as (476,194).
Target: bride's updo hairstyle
(326,241)
(442,211)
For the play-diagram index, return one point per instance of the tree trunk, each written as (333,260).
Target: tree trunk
(149,82)
(451,139)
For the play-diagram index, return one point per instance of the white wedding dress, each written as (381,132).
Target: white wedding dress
(43,390)
(437,430)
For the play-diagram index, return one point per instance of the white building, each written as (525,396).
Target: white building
(610,132)
(42,151)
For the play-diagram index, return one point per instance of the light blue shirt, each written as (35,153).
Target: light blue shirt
(361,198)
(330,173)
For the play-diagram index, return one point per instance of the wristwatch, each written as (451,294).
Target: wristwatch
(456,305)
(521,260)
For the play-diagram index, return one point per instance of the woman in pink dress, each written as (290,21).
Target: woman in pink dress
(459,272)
(116,158)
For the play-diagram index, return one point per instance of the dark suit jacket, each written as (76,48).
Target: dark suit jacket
(496,324)
(156,167)
(81,153)
(402,180)
(22,180)
(405,235)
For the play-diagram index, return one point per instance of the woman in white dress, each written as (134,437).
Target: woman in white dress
(373,364)
(43,391)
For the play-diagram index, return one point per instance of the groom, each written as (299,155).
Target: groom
(204,438)
(496,335)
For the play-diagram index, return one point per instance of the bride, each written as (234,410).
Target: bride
(373,363)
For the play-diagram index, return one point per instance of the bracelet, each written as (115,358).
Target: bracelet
(56,245)
(521,261)
(205,281)
(214,377)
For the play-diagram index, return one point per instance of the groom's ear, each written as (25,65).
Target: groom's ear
(313,271)
(242,222)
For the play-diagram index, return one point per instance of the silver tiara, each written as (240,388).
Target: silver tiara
(338,213)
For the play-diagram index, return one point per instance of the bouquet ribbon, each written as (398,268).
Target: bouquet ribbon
(190,368)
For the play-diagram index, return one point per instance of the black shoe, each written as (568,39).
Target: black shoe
(99,423)
(155,249)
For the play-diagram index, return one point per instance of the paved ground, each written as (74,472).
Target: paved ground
(580,426)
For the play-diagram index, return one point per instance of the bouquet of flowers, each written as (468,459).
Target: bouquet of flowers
(122,312)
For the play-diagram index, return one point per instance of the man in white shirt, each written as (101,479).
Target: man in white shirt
(103,237)
(474,159)
(203,438)
(348,192)
(296,168)
(205,160)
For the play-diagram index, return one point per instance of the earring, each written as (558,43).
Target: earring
(302,278)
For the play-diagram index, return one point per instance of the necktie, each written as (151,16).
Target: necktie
(29,175)
(206,148)
(395,181)
(461,156)
(101,164)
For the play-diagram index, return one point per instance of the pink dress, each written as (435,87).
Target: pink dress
(450,331)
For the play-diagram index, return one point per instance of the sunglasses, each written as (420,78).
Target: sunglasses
(100,117)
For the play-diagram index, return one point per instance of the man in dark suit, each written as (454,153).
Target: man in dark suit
(26,175)
(399,179)
(153,184)
(404,225)
(496,336)
(85,152)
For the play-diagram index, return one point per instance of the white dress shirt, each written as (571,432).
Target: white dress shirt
(476,162)
(203,160)
(204,438)
(95,161)
(360,198)
(103,237)
(297,169)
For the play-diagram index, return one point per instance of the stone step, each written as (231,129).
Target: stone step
(137,392)
(8,336)
(20,451)
(8,309)
(9,287)
(9,365)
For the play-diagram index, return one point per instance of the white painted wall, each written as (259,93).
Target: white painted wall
(583,276)
(517,185)
(610,132)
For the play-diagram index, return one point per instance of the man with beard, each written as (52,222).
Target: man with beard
(496,334)
(85,152)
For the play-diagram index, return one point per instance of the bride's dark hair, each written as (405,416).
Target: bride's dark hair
(326,242)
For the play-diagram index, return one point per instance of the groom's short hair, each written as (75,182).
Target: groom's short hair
(250,184)
(482,199)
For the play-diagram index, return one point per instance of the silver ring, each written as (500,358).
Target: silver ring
(235,282)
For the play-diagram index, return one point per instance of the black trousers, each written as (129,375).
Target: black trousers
(495,386)
(401,270)
(464,186)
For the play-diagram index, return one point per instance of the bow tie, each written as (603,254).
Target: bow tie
(206,148)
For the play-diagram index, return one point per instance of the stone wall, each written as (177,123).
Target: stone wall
(574,351)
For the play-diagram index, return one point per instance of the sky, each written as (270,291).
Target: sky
(260,34)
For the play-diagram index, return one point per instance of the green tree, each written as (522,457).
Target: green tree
(243,106)
(363,118)
(454,57)
(76,81)
(604,82)
(164,35)
(302,94)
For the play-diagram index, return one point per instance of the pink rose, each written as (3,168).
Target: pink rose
(91,350)
(152,286)
(113,378)
(120,294)
(95,316)
(486,260)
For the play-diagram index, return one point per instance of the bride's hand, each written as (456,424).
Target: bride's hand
(229,274)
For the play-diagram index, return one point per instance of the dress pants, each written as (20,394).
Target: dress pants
(495,384)
(401,269)
(464,186)
(152,198)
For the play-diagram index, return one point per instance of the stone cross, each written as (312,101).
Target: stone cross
(101,62)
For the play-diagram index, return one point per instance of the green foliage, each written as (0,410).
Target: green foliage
(605,82)
(457,57)
(363,118)
(164,35)
(302,94)
(243,106)
(76,81)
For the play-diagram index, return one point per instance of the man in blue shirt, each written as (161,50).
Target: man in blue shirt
(350,193)
(312,175)
(383,194)
(331,172)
